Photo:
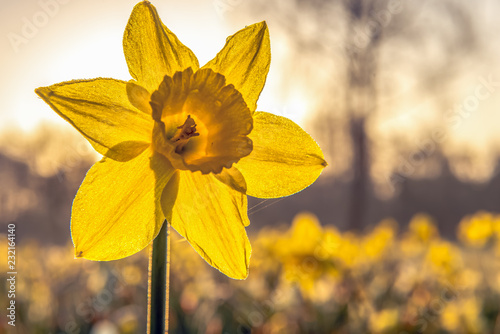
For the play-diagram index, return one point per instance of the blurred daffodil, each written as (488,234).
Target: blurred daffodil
(476,230)
(423,228)
(380,239)
(183,143)
(444,257)
(383,321)
(304,235)
(305,254)
(422,231)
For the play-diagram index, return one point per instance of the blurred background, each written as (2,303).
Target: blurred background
(398,235)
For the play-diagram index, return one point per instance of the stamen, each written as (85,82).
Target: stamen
(184,133)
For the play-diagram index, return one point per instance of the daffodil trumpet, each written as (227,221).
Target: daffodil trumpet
(181,143)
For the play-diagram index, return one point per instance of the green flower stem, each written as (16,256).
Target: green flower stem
(159,282)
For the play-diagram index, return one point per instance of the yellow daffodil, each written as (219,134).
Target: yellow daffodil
(476,230)
(444,257)
(380,240)
(183,143)
(423,228)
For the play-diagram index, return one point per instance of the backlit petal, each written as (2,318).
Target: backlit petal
(212,217)
(102,112)
(233,178)
(245,60)
(139,97)
(117,210)
(152,50)
(284,160)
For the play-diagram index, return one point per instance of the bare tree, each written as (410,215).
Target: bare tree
(367,27)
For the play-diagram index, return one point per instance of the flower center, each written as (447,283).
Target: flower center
(215,121)
(183,133)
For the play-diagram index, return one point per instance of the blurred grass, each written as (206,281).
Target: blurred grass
(306,278)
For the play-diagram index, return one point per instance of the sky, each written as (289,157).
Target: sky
(49,41)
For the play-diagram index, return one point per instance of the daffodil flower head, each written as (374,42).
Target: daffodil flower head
(181,143)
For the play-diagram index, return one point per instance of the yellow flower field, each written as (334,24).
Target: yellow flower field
(305,278)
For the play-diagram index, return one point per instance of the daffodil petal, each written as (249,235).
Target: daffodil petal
(152,50)
(233,178)
(212,217)
(284,159)
(245,60)
(102,112)
(139,97)
(117,210)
